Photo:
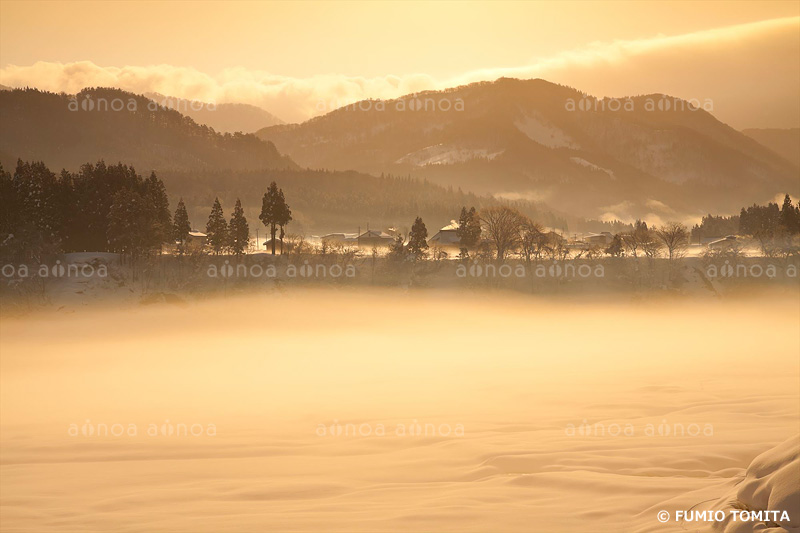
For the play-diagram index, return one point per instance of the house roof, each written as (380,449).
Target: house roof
(197,234)
(452,226)
(372,234)
(447,236)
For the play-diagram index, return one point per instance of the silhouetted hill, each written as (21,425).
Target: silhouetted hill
(225,118)
(66,131)
(647,155)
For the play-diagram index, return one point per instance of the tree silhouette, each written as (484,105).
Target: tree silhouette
(128,228)
(502,226)
(790,216)
(217,229)
(284,216)
(469,230)
(155,194)
(238,230)
(417,243)
(181,226)
(275,212)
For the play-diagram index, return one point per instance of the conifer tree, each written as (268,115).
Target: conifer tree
(275,212)
(417,243)
(284,216)
(790,216)
(155,195)
(397,249)
(181,226)
(469,229)
(217,229)
(128,229)
(238,230)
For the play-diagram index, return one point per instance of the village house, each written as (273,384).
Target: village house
(197,240)
(340,238)
(371,238)
(446,236)
(723,244)
(598,239)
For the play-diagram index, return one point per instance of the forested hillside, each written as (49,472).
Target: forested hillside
(66,131)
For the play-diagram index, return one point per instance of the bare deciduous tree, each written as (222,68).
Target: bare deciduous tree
(675,237)
(555,246)
(502,226)
(530,239)
(641,239)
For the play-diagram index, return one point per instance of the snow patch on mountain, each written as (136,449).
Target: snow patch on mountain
(588,164)
(539,130)
(441,154)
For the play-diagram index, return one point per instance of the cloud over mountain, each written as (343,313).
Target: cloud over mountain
(706,65)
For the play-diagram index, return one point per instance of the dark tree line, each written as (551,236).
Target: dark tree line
(223,236)
(111,208)
(107,208)
(770,219)
(760,221)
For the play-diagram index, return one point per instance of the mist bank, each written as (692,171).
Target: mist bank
(365,410)
(86,280)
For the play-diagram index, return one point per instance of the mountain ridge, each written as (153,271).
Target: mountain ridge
(647,155)
(65,131)
(224,117)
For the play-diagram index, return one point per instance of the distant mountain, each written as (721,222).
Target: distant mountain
(647,155)
(66,131)
(225,118)
(784,142)
(4,88)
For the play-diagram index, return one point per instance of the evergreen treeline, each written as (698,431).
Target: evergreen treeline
(760,221)
(770,220)
(100,208)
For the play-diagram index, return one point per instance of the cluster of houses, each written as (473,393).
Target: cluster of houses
(447,237)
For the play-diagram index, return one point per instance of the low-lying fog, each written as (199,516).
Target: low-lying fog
(357,411)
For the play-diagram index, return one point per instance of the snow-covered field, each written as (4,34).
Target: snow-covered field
(373,411)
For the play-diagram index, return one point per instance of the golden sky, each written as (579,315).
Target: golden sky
(298,58)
